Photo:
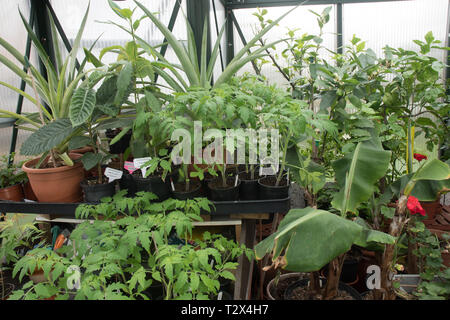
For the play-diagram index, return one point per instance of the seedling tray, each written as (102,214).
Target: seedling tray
(222,208)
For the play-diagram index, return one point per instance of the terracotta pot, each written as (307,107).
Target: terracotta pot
(61,184)
(12,193)
(28,191)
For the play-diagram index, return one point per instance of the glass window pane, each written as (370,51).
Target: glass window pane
(301,19)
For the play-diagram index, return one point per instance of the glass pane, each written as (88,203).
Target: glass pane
(70,15)
(396,23)
(301,19)
(14,32)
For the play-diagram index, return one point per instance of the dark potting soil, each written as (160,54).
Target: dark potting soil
(272,180)
(248,176)
(303,293)
(94,181)
(277,291)
(218,184)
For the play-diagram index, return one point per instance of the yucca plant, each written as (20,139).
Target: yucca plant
(53,96)
(200,75)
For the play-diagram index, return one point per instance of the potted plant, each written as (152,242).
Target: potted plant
(285,116)
(11,180)
(54,177)
(313,226)
(15,236)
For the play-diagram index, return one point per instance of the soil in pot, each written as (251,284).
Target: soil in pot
(249,189)
(195,190)
(60,184)
(268,189)
(275,290)
(12,193)
(94,191)
(300,291)
(219,192)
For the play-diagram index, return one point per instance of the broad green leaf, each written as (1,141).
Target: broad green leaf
(82,105)
(357,174)
(311,238)
(47,137)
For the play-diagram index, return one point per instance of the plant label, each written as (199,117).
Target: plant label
(113,174)
(171,184)
(236,181)
(129,166)
(139,164)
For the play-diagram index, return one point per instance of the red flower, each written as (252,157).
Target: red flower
(419,157)
(414,206)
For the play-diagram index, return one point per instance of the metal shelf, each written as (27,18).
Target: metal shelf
(222,208)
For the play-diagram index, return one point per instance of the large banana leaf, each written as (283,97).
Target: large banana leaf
(427,183)
(310,238)
(357,174)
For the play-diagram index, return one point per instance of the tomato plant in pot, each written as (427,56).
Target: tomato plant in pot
(285,116)
(16,237)
(11,179)
(54,177)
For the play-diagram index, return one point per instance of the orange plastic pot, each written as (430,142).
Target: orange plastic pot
(12,193)
(61,184)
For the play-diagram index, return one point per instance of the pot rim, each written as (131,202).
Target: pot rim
(272,187)
(13,186)
(73,156)
(199,186)
(224,189)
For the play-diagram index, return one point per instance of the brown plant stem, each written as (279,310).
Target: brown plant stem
(386,291)
(334,274)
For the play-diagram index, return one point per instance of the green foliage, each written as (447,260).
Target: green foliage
(10,174)
(14,235)
(134,243)
(309,238)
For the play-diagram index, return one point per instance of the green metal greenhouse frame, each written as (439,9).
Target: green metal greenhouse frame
(197,12)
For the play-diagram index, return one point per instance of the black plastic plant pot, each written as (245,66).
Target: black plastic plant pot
(219,193)
(249,189)
(127,183)
(95,192)
(288,294)
(349,272)
(268,189)
(194,192)
(155,184)
(121,145)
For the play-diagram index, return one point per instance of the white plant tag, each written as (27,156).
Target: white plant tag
(236,181)
(113,174)
(171,184)
(139,162)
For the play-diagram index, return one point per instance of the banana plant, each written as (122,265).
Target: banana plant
(307,239)
(50,126)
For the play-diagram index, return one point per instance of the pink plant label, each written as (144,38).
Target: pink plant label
(129,166)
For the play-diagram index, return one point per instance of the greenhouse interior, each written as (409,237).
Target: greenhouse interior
(225,150)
